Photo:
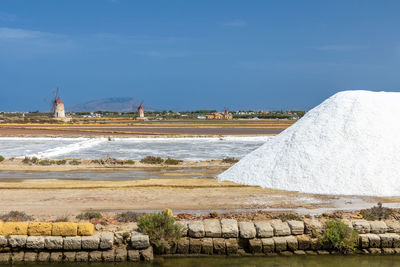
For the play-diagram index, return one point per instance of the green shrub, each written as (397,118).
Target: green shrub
(61,162)
(129,161)
(74,162)
(339,236)
(46,162)
(152,160)
(26,160)
(161,229)
(170,161)
(289,216)
(89,216)
(96,161)
(128,216)
(376,213)
(230,160)
(1,158)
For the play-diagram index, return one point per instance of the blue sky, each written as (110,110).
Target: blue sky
(196,54)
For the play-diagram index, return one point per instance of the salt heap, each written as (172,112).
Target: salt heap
(348,145)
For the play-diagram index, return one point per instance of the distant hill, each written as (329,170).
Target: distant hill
(117,104)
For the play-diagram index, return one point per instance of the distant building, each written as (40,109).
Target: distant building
(219,116)
(141,116)
(59,110)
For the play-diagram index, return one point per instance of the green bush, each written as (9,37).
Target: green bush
(129,161)
(46,162)
(339,236)
(61,162)
(152,160)
(89,216)
(230,160)
(1,158)
(289,216)
(376,213)
(28,160)
(74,162)
(161,229)
(170,161)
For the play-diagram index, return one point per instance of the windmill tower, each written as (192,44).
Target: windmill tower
(58,108)
(140,112)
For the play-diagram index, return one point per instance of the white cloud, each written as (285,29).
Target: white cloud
(237,23)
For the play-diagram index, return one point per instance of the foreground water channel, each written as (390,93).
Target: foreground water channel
(220,261)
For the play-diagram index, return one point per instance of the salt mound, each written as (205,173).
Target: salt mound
(348,145)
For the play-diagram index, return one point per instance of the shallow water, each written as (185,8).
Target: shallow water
(295,261)
(130,148)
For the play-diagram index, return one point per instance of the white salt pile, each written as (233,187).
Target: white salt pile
(348,145)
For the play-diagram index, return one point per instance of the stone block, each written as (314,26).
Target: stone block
(56,257)
(64,229)
(72,243)
(30,256)
(386,240)
(312,225)
(264,229)
(375,250)
(229,228)
(17,256)
(133,255)
(315,245)
(183,246)
(17,241)
(212,228)
(219,246)
(94,256)
(170,248)
(397,250)
(292,243)
(296,227)
(194,246)
(286,253)
(147,254)
(14,228)
(388,251)
(90,242)
(311,252)
(255,246)
(378,227)
(184,225)
(139,240)
(393,226)
(299,252)
(207,246)
(396,240)
(53,242)
(5,257)
(85,229)
(121,254)
(106,240)
(82,256)
(35,242)
(361,226)
(247,230)
(69,256)
(322,252)
(39,228)
(232,246)
(3,241)
(280,228)
(280,243)
(304,241)
(374,241)
(268,245)
(363,240)
(43,256)
(196,229)
(108,255)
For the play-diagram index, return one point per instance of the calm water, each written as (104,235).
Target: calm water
(295,261)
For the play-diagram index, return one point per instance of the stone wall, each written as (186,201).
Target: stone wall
(209,236)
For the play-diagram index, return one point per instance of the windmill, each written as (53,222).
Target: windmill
(56,95)
(140,111)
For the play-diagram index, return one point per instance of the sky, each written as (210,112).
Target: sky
(196,54)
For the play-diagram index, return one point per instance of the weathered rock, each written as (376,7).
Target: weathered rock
(292,243)
(90,242)
(5,257)
(212,228)
(194,246)
(106,240)
(374,241)
(139,240)
(35,242)
(396,240)
(53,242)
(108,255)
(363,240)
(121,254)
(64,229)
(361,226)
(397,250)
(229,228)
(315,244)
(56,257)
(280,243)
(280,228)
(388,251)
(247,230)
(3,241)
(296,227)
(348,223)
(184,225)
(69,256)
(183,246)
(378,227)
(17,256)
(207,246)
(286,253)
(72,243)
(133,255)
(312,225)
(310,252)
(30,256)
(82,256)
(386,240)
(147,254)
(43,256)
(304,241)
(299,252)
(17,241)
(170,248)
(196,229)
(393,226)
(39,228)
(232,246)
(14,228)
(322,252)
(255,246)
(375,250)
(95,256)
(264,229)
(219,246)
(268,245)
(85,229)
